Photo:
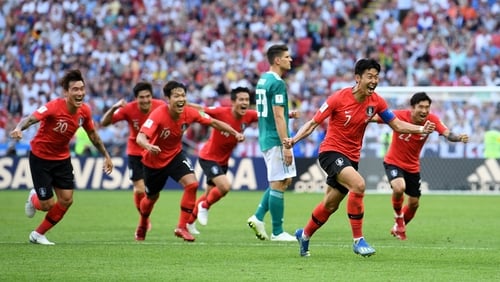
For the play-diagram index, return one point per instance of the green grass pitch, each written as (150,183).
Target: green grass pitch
(452,238)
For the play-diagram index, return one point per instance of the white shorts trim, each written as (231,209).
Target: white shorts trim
(276,169)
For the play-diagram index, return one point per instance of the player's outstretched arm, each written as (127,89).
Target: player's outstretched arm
(196,106)
(304,131)
(26,122)
(450,136)
(222,126)
(405,127)
(108,115)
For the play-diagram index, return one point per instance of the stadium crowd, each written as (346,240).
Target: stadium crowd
(214,46)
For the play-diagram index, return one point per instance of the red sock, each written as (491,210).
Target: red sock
(355,212)
(53,216)
(137,199)
(214,195)
(36,202)
(146,206)
(319,216)
(187,204)
(397,204)
(408,214)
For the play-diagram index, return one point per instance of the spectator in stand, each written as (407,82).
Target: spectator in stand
(68,31)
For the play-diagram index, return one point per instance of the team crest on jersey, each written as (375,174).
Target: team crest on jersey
(339,162)
(80,121)
(214,169)
(370,111)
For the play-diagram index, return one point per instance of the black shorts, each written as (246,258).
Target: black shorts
(48,174)
(156,178)
(333,163)
(135,168)
(212,169)
(412,180)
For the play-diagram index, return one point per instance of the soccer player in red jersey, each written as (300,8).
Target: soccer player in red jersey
(135,114)
(50,159)
(349,110)
(215,154)
(163,157)
(402,161)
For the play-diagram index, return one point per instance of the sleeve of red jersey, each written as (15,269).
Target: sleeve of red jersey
(88,123)
(44,111)
(150,125)
(253,116)
(120,114)
(440,126)
(325,110)
(199,116)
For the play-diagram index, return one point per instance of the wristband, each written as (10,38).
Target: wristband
(421,129)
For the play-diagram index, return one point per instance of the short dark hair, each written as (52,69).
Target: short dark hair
(70,76)
(419,97)
(365,64)
(275,51)
(143,85)
(237,90)
(172,84)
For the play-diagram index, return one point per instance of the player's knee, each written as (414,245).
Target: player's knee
(398,189)
(358,187)
(224,189)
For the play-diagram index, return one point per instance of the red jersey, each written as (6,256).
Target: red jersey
(57,128)
(404,151)
(135,118)
(166,133)
(220,145)
(348,121)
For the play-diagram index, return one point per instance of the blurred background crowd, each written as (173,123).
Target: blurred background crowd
(213,46)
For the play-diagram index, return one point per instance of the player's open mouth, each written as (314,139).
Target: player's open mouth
(371,87)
